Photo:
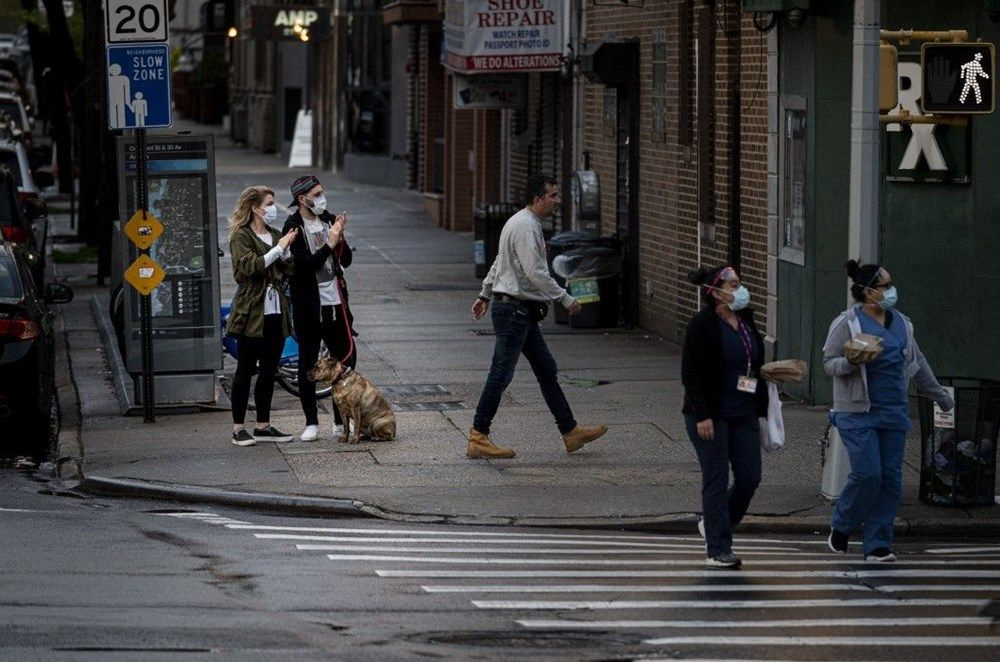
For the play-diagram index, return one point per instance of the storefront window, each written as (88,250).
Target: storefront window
(793,184)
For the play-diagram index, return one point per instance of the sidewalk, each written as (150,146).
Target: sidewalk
(411,289)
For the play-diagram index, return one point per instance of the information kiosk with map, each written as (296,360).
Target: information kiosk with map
(185,306)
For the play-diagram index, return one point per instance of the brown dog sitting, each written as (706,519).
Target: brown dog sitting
(358,400)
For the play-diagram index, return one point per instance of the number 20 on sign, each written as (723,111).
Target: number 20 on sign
(136,21)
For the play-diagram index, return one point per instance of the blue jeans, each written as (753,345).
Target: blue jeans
(874,486)
(736,443)
(517,333)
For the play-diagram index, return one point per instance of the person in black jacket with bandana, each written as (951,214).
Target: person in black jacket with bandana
(723,397)
(320,308)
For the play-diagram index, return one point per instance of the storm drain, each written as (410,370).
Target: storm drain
(555,639)
(406,390)
(429,406)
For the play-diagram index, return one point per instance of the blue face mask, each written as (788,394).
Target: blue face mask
(741,298)
(270,214)
(889,299)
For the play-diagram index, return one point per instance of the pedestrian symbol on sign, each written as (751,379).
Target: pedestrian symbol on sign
(970,72)
(138,86)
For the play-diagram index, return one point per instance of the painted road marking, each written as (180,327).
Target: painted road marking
(722,604)
(706,574)
(797,623)
(964,550)
(698,558)
(705,588)
(827,641)
(678,562)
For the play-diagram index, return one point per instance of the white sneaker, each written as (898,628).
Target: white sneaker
(338,430)
(310,433)
(701,528)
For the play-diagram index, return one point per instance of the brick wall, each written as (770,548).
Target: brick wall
(668,169)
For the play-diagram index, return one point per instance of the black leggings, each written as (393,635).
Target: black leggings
(264,351)
(333,332)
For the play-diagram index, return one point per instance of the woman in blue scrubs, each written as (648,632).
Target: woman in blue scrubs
(870,409)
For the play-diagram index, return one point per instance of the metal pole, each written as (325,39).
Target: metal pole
(145,304)
(866,167)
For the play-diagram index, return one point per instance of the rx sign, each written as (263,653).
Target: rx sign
(138,86)
(136,21)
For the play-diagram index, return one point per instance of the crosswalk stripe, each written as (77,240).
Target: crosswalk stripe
(723,604)
(510,534)
(511,541)
(827,641)
(794,623)
(638,562)
(850,574)
(964,550)
(707,588)
(699,555)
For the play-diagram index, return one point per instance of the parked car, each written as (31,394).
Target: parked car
(13,107)
(23,224)
(27,355)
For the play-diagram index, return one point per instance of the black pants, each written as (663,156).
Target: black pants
(265,352)
(334,333)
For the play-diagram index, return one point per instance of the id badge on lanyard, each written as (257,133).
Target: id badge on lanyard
(746,383)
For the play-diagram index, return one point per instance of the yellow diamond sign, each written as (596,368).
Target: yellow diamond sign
(144,274)
(143,231)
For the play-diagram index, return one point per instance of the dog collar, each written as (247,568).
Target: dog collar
(348,370)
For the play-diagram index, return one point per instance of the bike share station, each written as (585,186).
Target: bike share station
(167,251)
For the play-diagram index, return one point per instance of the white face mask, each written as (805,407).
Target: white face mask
(270,213)
(318,204)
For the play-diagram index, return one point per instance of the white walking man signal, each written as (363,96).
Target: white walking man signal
(970,72)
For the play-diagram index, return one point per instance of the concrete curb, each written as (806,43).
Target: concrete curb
(68,443)
(286,503)
(290,504)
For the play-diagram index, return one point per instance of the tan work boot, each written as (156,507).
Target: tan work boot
(582,434)
(480,446)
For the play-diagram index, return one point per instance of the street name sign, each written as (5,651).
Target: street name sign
(143,229)
(138,86)
(136,21)
(144,274)
(958,79)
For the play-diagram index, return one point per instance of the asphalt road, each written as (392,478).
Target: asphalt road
(106,579)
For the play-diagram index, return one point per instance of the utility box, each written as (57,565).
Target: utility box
(187,339)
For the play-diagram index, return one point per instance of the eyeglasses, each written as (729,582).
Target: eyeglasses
(882,286)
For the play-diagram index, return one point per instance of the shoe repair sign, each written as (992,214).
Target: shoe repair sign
(503,35)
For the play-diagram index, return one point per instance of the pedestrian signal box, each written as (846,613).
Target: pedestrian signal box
(958,79)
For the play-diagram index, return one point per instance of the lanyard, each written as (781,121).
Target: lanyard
(747,345)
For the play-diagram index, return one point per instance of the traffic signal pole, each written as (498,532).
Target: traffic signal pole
(866,167)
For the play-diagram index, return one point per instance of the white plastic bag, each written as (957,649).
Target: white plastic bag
(772,428)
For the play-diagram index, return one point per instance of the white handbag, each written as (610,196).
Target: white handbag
(772,428)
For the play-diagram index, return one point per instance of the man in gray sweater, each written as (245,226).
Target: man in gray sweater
(520,286)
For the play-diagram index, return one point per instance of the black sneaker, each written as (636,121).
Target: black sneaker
(838,541)
(880,555)
(243,438)
(726,560)
(270,433)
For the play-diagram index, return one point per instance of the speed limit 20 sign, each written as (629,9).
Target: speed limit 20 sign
(136,21)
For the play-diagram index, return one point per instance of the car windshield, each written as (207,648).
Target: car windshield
(10,284)
(8,159)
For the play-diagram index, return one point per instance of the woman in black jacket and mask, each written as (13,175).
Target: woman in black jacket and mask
(723,397)
(319,293)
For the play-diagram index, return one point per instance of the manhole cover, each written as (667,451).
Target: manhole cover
(430,406)
(554,639)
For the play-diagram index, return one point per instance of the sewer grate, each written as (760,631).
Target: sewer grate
(403,390)
(442,287)
(430,406)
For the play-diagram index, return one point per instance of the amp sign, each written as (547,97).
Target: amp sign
(503,35)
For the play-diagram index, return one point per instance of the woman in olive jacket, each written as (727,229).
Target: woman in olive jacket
(723,397)
(260,318)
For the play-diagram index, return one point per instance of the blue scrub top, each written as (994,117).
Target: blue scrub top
(887,380)
(735,403)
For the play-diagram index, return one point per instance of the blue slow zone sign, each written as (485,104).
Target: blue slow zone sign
(138,86)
